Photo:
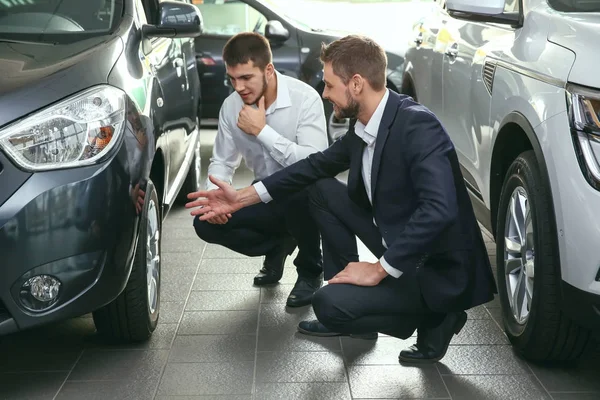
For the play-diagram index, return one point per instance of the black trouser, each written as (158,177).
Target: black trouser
(395,306)
(261,228)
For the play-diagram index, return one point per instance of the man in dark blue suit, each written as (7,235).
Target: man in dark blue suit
(405,199)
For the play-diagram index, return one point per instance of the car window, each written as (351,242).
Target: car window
(229,17)
(575,5)
(512,6)
(58,17)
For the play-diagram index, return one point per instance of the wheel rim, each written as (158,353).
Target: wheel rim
(519,255)
(152,257)
(337,128)
(197,164)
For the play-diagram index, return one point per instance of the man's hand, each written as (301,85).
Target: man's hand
(221,202)
(252,120)
(219,220)
(361,274)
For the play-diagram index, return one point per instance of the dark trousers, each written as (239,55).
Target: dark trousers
(395,306)
(260,229)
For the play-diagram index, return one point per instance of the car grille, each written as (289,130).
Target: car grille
(4,315)
(488,75)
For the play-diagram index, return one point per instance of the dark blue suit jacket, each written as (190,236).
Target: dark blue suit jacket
(420,202)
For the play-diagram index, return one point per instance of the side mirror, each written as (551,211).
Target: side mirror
(276,32)
(483,11)
(176,20)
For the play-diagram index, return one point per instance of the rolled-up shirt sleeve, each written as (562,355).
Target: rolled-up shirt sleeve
(311,135)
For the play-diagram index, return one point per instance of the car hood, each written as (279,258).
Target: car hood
(35,75)
(578,32)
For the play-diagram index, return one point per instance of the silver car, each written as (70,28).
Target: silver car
(516,85)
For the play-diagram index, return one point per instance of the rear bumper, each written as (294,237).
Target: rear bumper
(77,225)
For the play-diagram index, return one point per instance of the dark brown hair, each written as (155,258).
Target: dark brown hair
(247,46)
(355,54)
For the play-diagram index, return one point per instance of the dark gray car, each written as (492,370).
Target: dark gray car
(98,135)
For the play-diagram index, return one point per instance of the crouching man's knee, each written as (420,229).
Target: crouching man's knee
(328,310)
(208,232)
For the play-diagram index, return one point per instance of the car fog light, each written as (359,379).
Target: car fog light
(40,292)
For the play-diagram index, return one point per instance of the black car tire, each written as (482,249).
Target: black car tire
(128,318)
(192,181)
(548,334)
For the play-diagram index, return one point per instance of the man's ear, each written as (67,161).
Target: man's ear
(357,83)
(270,70)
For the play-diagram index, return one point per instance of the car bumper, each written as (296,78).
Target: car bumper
(77,225)
(576,205)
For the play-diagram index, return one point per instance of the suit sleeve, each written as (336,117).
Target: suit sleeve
(325,164)
(426,150)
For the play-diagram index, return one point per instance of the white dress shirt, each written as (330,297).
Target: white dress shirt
(296,127)
(368,134)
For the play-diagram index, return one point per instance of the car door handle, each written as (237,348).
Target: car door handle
(452,50)
(178,65)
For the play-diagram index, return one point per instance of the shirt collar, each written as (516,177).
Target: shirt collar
(368,133)
(283,94)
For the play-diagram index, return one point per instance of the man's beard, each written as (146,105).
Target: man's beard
(262,92)
(351,110)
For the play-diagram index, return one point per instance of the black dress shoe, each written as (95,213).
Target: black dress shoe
(432,343)
(315,328)
(272,269)
(303,291)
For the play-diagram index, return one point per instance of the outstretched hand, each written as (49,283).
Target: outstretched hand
(214,203)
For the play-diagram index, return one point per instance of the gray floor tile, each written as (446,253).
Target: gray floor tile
(482,360)
(478,312)
(96,365)
(216,251)
(208,397)
(581,377)
(225,282)
(194,246)
(213,348)
(303,391)
(230,266)
(396,382)
(219,323)
(223,300)
(25,359)
(113,390)
(276,294)
(179,260)
(480,331)
(207,379)
(30,386)
(287,338)
(496,314)
(495,387)
(277,315)
(176,283)
(383,351)
(300,367)
(576,396)
(171,311)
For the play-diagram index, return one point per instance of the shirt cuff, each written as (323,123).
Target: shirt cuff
(264,195)
(389,269)
(267,137)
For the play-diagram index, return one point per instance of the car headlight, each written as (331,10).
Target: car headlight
(584,112)
(75,132)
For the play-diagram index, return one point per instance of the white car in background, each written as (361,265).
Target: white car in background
(516,85)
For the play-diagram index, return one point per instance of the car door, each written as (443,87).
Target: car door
(424,58)
(466,99)
(223,20)
(177,118)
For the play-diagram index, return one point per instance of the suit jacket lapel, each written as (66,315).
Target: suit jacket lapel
(389,114)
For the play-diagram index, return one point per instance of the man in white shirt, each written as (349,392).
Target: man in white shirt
(271,121)
(405,199)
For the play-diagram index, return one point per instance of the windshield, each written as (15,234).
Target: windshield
(57,20)
(575,5)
